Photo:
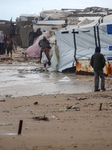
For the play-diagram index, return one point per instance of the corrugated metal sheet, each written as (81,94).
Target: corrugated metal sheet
(84,67)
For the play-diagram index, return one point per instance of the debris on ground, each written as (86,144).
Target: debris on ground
(63,109)
(73,107)
(54,117)
(3,100)
(5,58)
(79,98)
(8,95)
(36,103)
(70,107)
(44,118)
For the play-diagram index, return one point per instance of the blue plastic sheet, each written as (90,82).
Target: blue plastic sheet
(109,28)
(110,48)
(109,58)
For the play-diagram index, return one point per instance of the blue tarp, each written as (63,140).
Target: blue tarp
(110,48)
(109,58)
(109,29)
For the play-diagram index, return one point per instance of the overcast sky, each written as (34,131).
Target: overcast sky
(14,8)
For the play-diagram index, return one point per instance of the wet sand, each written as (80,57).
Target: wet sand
(75,121)
(17,79)
(49,125)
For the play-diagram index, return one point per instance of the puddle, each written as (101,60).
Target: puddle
(9,134)
(26,79)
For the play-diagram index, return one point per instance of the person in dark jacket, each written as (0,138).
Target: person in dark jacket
(98,62)
(31,37)
(43,43)
(38,33)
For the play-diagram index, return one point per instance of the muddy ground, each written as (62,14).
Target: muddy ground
(59,111)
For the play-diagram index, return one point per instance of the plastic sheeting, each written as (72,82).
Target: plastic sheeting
(83,43)
(107,19)
(55,59)
(34,50)
(66,50)
(85,21)
(24,34)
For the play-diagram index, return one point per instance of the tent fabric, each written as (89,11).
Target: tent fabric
(54,14)
(110,48)
(24,34)
(85,21)
(34,50)
(66,50)
(85,43)
(107,19)
(55,58)
(95,18)
(109,29)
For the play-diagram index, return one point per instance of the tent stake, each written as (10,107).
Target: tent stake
(100,106)
(20,126)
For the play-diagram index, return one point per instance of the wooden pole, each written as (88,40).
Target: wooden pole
(100,106)
(20,126)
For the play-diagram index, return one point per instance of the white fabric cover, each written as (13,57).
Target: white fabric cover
(85,44)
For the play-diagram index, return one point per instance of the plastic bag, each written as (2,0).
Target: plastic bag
(44,59)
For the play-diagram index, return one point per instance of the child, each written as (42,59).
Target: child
(46,51)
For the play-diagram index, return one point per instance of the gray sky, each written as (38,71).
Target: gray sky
(14,8)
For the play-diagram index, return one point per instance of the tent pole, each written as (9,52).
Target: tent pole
(98,36)
(95,36)
(74,32)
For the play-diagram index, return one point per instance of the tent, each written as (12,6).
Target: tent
(85,21)
(79,43)
(107,19)
(34,50)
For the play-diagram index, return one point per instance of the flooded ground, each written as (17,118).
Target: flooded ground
(27,79)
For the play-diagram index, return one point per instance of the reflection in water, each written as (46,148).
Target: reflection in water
(9,134)
(28,79)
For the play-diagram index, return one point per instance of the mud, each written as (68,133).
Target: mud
(28,79)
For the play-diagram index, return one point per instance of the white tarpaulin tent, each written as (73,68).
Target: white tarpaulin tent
(107,19)
(80,42)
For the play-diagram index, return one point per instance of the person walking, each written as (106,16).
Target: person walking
(46,51)
(98,62)
(43,43)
